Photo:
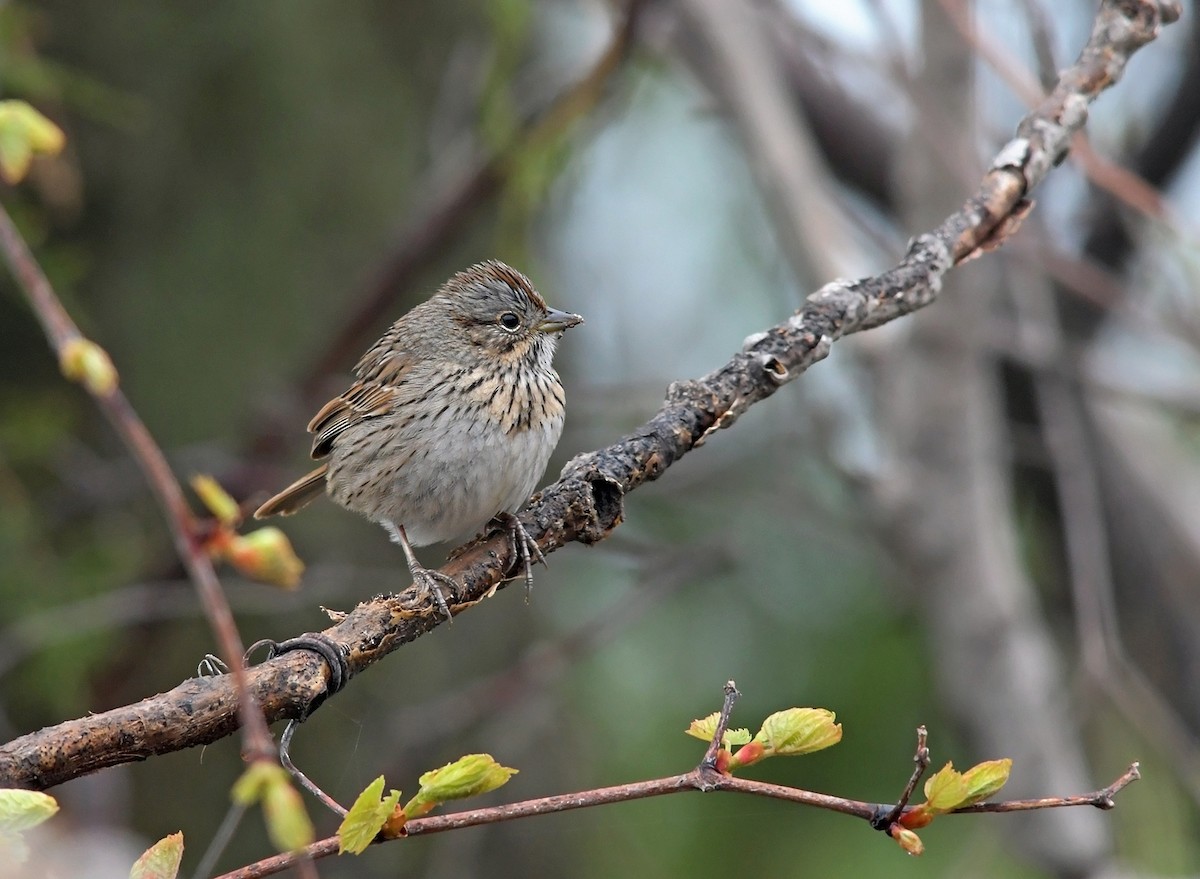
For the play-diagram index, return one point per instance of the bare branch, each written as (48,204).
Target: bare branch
(710,756)
(1101,799)
(920,764)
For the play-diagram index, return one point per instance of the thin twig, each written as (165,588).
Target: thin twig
(285,758)
(1101,799)
(62,332)
(920,764)
(710,756)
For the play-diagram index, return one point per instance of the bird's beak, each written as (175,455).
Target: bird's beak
(556,321)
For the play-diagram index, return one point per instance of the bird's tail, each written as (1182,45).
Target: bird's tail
(296,496)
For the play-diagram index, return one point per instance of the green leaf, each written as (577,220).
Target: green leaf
(467,776)
(265,555)
(706,727)
(735,738)
(161,860)
(797,731)
(248,789)
(945,790)
(985,779)
(23,809)
(287,822)
(366,818)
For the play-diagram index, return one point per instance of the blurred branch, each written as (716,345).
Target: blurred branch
(1072,434)
(787,163)
(856,139)
(1155,482)
(1041,35)
(1070,440)
(587,501)
(1075,472)
(140,603)
(468,189)
(90,365)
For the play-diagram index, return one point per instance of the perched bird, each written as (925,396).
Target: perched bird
(451,421)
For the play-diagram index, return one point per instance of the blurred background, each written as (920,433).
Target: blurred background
(984,518)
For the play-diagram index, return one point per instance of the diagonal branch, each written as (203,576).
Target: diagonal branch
(586,503)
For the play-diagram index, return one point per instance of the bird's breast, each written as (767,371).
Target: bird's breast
(443,469)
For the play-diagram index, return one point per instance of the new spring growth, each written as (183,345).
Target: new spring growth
(24,133)
(787,733)
(948,789)
(268,783)
(264,554)
(86,363)
(376,816)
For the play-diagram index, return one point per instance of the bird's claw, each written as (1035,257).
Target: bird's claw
(524,547)
(428,581)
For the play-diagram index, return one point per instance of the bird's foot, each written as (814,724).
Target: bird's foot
(424,579)
(525,548)
(431,583)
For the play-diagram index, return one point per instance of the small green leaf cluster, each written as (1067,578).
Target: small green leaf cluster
(947,790)
(788,733)
(265,554)
(375,816)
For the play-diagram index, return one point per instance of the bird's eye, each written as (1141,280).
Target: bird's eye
(509,321)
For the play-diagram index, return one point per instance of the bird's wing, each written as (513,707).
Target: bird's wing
(384,381)
(362,401)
